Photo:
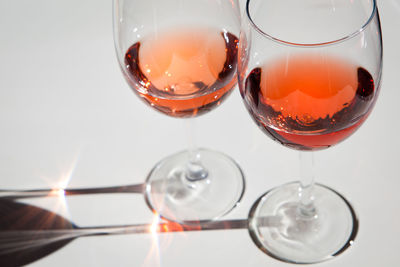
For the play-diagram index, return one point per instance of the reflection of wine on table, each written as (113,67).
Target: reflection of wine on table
(309,102)
(183,73)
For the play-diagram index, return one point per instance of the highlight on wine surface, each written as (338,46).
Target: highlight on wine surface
(183,72)
(309,101)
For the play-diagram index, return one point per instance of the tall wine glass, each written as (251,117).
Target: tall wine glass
(180,58)
(309,75)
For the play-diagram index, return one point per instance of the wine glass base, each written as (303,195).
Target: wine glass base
(279,229)
(172,196)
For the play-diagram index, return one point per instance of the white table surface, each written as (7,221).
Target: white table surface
(68,117)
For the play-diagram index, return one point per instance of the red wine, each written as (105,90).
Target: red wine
(309,102)
(183,73)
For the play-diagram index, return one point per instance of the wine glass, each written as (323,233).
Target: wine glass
(180,58)
(309,74)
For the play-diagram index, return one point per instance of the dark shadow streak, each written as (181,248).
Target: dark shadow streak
(29,233)
(36,193)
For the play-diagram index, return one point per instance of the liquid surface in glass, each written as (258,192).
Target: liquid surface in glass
(309,102)
(183,72)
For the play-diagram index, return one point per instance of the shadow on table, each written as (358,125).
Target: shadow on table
(29,233)
(20,228)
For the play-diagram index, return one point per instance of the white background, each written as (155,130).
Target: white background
(67,115)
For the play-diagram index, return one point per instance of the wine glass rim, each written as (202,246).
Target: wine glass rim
(278,40)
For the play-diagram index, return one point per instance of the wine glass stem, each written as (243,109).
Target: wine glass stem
(306,189)
(195,171)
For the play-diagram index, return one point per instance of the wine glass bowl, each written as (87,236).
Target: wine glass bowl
(312,82)
(309,75)
(177,60)
(180,58)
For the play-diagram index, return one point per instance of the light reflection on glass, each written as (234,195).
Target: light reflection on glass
(58,188)
(153,256)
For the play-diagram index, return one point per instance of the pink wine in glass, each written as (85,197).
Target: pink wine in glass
(309,102)
(185,72)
